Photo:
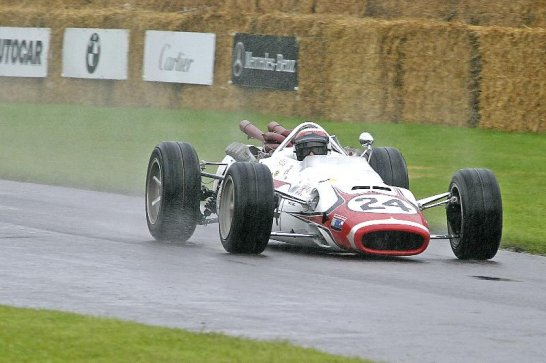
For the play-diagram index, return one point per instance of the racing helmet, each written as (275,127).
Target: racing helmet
(310,141)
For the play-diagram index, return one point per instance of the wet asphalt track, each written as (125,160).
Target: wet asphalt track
(91,253)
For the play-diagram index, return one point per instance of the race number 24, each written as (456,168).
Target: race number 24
(380,204)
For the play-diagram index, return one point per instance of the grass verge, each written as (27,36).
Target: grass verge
(28,335)
(108,149)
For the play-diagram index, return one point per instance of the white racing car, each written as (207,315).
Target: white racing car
(302,187)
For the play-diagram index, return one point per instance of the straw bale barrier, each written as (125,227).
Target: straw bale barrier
(150,5)
(513,78)
(350,68)
(509,13)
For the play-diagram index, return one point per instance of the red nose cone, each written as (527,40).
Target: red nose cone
(392,237)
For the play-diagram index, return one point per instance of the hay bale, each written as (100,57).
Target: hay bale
(285,6)
(513,84)
(394,71)
(150,5)
(349,68)
(519,13)
(507,13)
(344,7)
(410,9)
(353,82)
(435,67)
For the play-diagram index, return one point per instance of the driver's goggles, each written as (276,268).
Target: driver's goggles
(316,150)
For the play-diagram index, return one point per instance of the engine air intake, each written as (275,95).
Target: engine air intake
(392,241)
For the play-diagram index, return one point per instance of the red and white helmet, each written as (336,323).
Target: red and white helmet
(310,141)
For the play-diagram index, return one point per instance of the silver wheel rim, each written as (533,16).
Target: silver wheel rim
(154,191)
(227,207)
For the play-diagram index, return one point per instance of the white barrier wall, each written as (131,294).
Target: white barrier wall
(179,57)
(95,53)
(24,51)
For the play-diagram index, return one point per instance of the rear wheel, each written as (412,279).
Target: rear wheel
(246,206)
(474,214)
(389,163)
(173,190)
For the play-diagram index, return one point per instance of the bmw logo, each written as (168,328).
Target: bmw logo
(93,53)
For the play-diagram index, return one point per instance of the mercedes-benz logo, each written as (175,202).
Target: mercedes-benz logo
(238,59)
(93,53)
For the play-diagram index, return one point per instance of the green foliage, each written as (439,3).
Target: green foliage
(28,335)
(108,149)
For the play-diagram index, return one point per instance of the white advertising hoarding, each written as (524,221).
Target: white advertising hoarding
(24,51)
(95,53)
(179,57)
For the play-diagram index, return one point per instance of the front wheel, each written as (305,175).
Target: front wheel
(246,206)
(389,163)
(173,191)
(474,214)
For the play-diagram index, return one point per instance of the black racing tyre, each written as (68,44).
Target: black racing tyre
(245,208)
(389,163)
(173,191)
(474,214)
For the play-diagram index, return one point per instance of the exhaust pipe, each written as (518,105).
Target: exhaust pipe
(251,131)
(275,127)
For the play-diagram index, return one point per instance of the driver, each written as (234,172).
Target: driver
(310,142)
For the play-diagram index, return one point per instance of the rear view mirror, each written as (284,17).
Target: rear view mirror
(365,139)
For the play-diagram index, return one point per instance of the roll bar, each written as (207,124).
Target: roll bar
(306,125)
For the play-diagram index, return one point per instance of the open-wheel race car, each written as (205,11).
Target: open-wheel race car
(302,187)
